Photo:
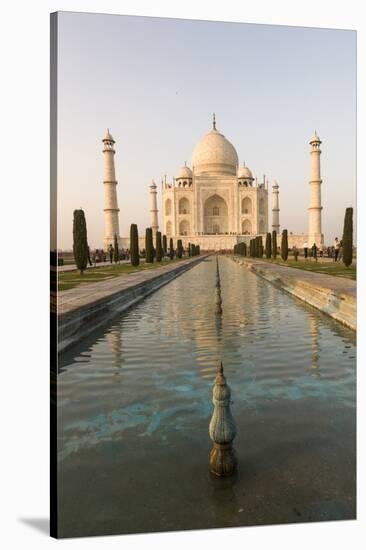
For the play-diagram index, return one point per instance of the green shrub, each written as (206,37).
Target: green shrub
(179,248)
(284,245)
(274,244)
(115,249)
(134,245)
(347,239)
(171,249)
(80,241)
(149,246)
(159,248)
(268,245)
(260,247)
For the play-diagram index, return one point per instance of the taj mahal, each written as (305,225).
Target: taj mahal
(217,202)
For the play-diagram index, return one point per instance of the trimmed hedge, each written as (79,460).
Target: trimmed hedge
(134,245)
(284,245)
(149,246)
(347,239)
(80,240)
(159,248)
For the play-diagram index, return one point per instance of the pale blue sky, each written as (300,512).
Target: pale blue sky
(155,83)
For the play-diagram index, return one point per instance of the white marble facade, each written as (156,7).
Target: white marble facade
(216,203)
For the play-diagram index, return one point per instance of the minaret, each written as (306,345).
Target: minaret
(110,193)
(275,208)
(315,207)
(154,209)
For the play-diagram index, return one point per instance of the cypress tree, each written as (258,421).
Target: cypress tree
(198,250)
(274,244)
(80,244)
(134,245)
(165,245)
(115,249)
(245,249)
(260,247)
(149,246)
(171,249)
(256,247)
(284,245)
(347,239)
(268,246)
(159,248)
(189,249)
(179,248)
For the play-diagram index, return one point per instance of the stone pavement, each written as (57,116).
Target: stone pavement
(335,296)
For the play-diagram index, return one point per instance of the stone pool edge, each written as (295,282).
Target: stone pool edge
(78,323)
(341,306)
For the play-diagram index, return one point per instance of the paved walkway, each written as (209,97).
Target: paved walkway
(88,293)
(339,285)
(335,296)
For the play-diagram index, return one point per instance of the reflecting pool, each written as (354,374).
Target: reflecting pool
(134,404)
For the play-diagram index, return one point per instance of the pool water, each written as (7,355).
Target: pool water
(135,401)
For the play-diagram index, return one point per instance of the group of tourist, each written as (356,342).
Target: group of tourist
(99,255)
(334,251)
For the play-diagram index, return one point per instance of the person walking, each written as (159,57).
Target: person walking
(314,250)
(336,248)
(110,252)
(306,248)
(340,255)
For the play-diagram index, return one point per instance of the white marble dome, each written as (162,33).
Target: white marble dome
(244,172)
(214,154)
(184,172)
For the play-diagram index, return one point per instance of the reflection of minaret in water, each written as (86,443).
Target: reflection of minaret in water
(115,342)
(314,334)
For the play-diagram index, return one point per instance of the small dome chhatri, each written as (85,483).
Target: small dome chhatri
(184,172)
(214,153)
(315,138)
(244,172)
(108,137)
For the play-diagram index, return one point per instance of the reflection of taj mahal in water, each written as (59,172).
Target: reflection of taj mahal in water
(216,203)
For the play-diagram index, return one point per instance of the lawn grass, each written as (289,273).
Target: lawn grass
(71,279)
(337,269)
